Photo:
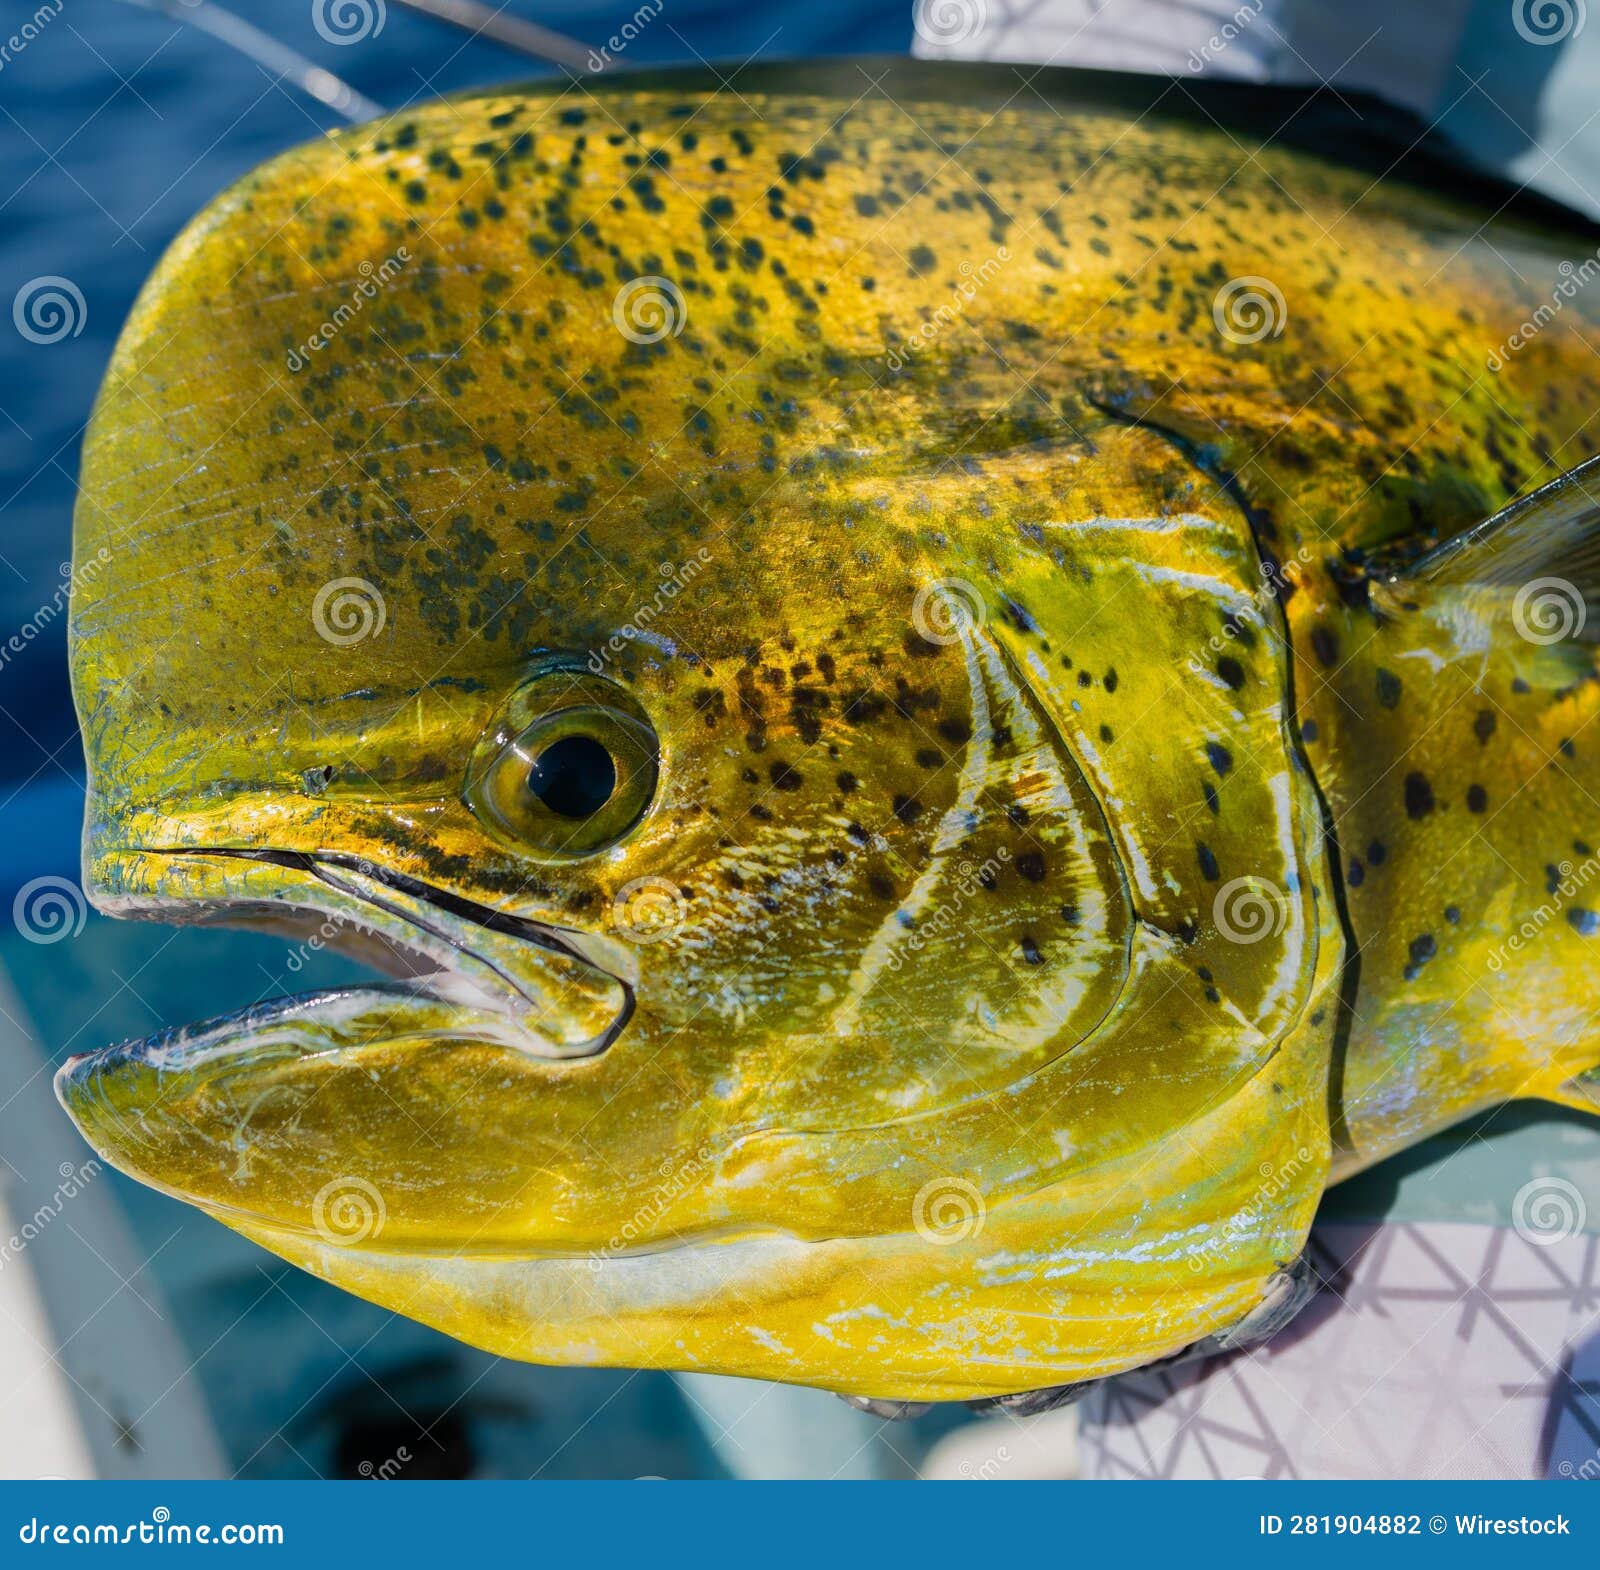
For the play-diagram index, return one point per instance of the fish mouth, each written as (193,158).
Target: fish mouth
(546,990)
(443,1090)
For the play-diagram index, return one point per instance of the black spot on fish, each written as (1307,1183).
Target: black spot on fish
(880,885)
(1030,864)
(1324,645)
(1219,758)
(1030,952)
(1354,873)
(1111,679)
(846,782)
(1452,914)
(907,809)
(929,758)
(1584,922)
(1070,915)
(1419,795)
(1388,688)
(1213,801)
(1552,878)
(1477,798)
(1483,726)
(1212,995)
(1208,863)
(1308,731)
(1567,749)
(1231,671)
(1422,950)
(784,778)
(1377,853)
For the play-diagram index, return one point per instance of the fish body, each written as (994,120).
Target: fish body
(846,669)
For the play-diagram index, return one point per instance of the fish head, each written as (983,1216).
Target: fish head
(787,975)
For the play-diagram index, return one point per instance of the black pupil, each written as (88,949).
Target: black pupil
(574,776)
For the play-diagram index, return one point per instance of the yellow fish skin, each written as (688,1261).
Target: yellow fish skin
(949,995)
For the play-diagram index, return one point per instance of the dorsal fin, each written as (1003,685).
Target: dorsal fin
(1554,534)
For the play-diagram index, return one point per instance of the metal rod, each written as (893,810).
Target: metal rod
(275,58)
(487,21)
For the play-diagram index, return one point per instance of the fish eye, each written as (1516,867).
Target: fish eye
(570,770)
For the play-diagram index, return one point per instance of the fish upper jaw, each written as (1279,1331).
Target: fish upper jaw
(547,991)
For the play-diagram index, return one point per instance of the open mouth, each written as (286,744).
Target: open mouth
(547,991)
(434,1090)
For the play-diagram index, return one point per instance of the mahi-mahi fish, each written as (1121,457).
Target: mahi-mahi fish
(943,695)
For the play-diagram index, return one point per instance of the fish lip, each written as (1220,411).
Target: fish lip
(325,866)
(184,1046)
